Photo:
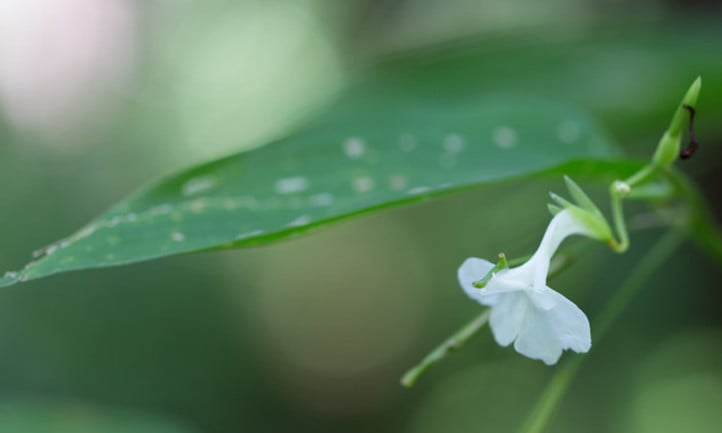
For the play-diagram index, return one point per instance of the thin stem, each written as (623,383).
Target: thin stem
(560,381)
(451,344)
(552,395)
(655,258)
(618,190)
(642,175)
(620,225)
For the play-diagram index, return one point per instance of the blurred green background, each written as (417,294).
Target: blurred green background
(311,335)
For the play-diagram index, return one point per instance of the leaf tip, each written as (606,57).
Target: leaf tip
(9,278)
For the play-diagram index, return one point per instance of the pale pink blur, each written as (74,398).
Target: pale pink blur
(62,61)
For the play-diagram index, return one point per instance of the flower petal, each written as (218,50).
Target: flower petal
(543,299)
(563,225)
(472,270)
(570,324)
(545,333)
(508,315)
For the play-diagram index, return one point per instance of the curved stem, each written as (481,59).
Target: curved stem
(560,381)
(618,190)
(620,225)
(642,175)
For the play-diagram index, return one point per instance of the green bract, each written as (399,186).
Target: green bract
(584,211)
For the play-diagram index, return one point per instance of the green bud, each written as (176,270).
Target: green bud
(668,147)
(622,189)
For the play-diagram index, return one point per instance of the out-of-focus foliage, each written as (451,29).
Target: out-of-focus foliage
(67,418)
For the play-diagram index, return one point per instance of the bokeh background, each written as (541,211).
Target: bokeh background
(312,334)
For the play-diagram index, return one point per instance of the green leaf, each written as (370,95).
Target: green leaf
(369,152)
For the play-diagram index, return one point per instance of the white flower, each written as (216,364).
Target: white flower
(524,310)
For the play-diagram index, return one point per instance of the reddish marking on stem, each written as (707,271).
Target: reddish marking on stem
(693,144)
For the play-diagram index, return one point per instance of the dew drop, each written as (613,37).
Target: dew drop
(115,221)
(249,234)
(398,182)
(454,143)
(230,204)
(354,147)
(198,205)
(418,190)
(300,221)
(321,199)
(291,184)
(568,131)
(178,236)
(198,185)
(504,137)
(363,184)
(160,210)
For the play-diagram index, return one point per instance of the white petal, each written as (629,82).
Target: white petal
(536,338)
(507,316)
(545,333)
(563,225)
(507,280)
(543,299)
(570,324)
(471,271)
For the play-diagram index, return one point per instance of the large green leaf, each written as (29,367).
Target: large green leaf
(370,151)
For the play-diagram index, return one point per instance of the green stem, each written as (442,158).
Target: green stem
(619,190)
(451,344)
(552,395)
(642,175)
(620,225)
(560,381)
(658,254)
